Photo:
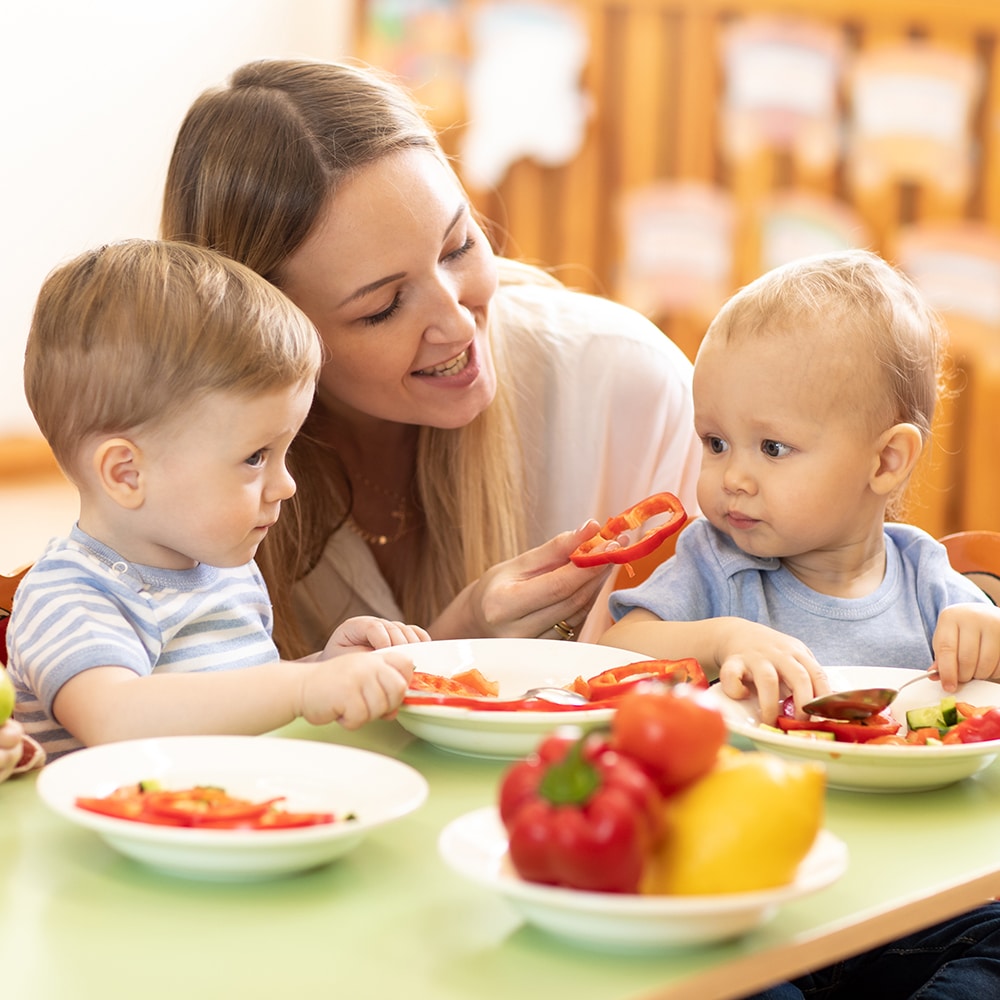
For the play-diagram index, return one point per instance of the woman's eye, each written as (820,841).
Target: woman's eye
(462,250)
(381,317)
(774,449)
(715,445)
(256,460)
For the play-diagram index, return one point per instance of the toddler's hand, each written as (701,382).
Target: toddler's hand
(754,656)
(967,644)
(369,632)
(11,735)
(355,688)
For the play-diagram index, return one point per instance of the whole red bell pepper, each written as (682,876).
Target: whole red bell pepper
(592,553)
(580,815)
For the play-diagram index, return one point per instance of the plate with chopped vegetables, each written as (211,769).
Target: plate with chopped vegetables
(926,739)
(466,695)
(230,808)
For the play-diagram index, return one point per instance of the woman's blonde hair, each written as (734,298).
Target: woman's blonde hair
(254,165)
(128,334)
(863,306)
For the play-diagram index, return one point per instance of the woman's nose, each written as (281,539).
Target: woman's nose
(451,320)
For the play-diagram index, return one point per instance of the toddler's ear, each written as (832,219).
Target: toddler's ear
(117,466)
(899,449)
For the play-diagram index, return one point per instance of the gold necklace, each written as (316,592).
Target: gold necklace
(400,513)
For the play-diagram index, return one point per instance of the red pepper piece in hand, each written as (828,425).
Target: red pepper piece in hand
(660,503)
(580,815)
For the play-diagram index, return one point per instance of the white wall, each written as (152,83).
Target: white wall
(92,93)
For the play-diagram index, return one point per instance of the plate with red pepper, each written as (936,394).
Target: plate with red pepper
(230,808)
(875,755)
(465,695)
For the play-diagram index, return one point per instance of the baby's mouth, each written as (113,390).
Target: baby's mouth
(452,367)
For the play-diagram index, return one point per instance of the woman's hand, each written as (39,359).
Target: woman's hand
(11,735)
(368,632)
(967,644)
(527,596)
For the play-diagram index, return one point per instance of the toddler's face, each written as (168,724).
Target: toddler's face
(215,477)
(788,453)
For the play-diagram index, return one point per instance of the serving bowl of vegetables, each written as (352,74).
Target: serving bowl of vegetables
(884,754)
(230,808)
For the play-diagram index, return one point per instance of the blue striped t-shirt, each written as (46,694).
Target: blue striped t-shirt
(81,606)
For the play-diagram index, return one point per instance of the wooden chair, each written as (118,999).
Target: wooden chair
(8,584)
(976,554)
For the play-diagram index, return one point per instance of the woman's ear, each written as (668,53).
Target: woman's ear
(117,464)
(899,449)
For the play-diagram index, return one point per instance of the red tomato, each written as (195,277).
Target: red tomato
(674,732)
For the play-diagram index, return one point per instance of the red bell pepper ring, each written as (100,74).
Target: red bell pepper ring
(617,681)
(580,815)
(591,553)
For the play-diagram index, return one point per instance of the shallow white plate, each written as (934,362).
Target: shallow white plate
(517,664)
(858,767)
(475,845)
(312,776)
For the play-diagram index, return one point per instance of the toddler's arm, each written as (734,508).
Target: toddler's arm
(106,704)
(967,644)
(740,653)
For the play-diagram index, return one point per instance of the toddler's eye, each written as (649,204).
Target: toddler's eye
(256,460)
(775,449)
(715,445)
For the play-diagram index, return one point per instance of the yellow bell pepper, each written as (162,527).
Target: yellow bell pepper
(746,825)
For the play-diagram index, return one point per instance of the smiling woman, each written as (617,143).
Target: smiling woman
(474,417)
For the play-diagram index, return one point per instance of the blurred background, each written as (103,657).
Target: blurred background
(662,152)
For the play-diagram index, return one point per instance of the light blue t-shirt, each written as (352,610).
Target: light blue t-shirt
(711,577)
(81,606)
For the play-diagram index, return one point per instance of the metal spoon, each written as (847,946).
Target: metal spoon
(860,703)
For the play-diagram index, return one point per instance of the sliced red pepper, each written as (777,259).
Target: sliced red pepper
(615,682)
(503,704)
(592,552)
(845,732)
(578,814)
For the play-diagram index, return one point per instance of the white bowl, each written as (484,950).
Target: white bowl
(863,768)
(475,846)
(312,776)
(517,664)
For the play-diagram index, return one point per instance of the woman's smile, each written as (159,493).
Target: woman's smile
(451,367)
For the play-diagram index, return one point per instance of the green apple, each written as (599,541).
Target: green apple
(7,696)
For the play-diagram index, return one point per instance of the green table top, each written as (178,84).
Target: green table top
(80,921)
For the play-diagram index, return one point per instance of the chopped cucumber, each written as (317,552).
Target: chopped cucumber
(941,716)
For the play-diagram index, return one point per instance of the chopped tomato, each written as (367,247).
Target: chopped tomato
(439,684)
(846,732)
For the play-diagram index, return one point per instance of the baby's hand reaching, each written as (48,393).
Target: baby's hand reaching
(967,644)
(369,632)
(355,688)
(756,657)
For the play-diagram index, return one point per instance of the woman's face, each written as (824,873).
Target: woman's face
(398,279)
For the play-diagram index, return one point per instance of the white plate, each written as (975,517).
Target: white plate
(857,767)
(475,845)
(517,664)
(312,776)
